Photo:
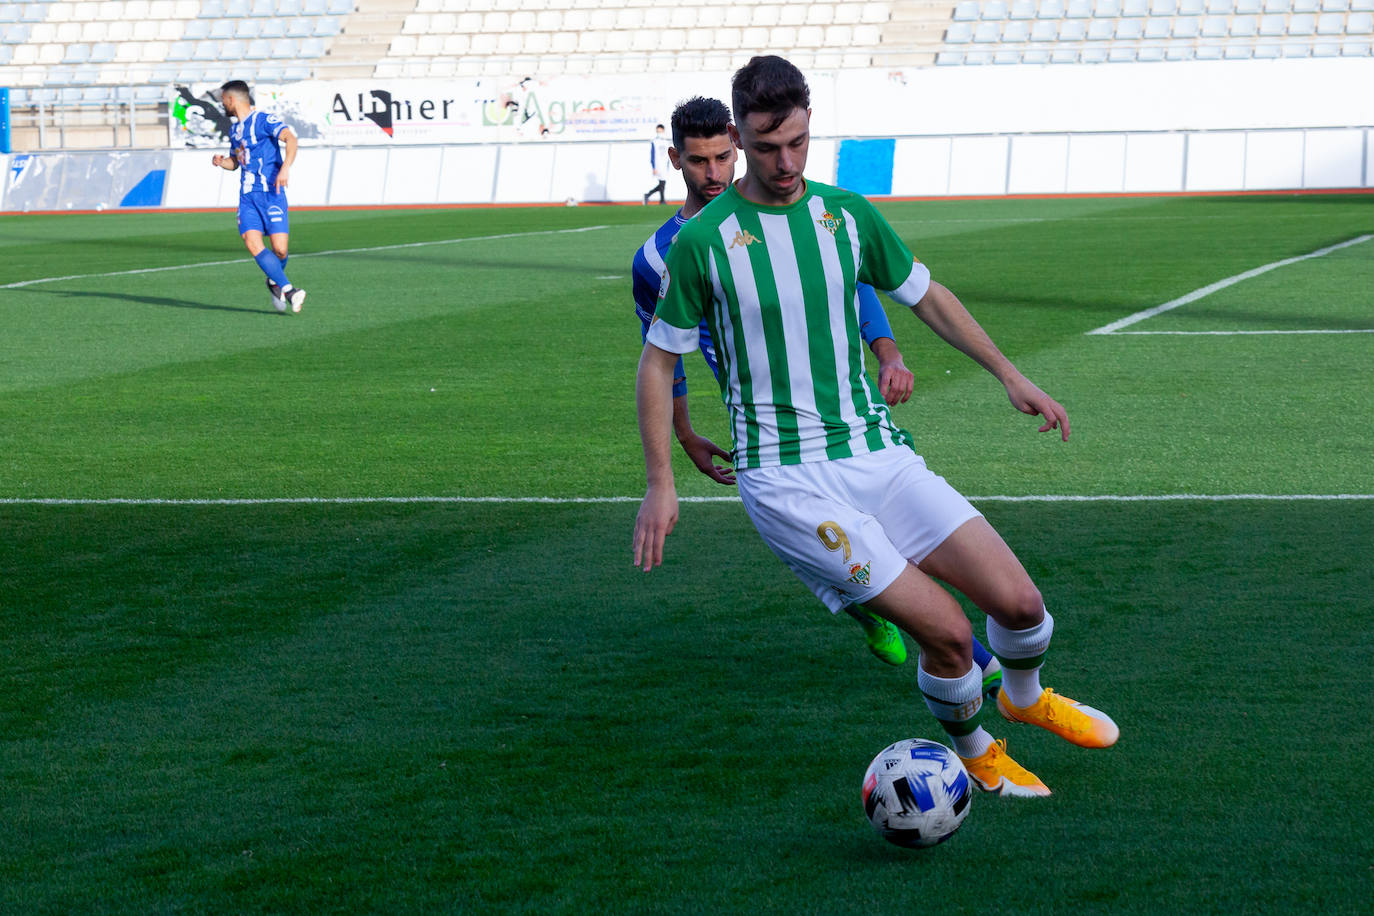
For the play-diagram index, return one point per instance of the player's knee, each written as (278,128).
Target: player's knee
(1020,607)
(948,651)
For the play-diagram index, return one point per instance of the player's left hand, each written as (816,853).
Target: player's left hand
(1028,398)
(283,176)
(703,453)
(895,381)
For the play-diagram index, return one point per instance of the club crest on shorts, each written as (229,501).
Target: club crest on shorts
(859,574)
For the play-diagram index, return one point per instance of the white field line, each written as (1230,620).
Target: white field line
(308,254)
(1241,333)
(1197,294)
(581,500)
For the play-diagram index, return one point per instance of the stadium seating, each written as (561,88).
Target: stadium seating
(1098,31)
(55,44)
(132,42)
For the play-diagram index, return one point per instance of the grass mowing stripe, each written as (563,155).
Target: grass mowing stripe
(1222,284)
(308,254)
(595,500)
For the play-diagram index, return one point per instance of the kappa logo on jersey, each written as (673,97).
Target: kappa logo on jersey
(830,222)
(859,574)
(743,238)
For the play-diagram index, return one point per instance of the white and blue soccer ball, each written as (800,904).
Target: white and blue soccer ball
(916,793)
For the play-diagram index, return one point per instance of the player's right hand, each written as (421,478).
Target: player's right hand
(656,519)
(218,160)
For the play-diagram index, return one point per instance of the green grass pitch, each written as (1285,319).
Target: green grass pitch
(220,697)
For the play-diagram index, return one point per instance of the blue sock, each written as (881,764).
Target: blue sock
(272,266)
(981,655)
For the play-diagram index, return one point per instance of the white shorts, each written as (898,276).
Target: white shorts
(848,527)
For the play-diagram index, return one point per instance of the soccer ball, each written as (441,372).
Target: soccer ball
(916,793)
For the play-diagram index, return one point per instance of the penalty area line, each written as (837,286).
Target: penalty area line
(594,500)
(1204,291)
(308,254)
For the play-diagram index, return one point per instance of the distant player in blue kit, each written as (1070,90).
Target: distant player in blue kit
(658,164)
(703,152)
(263,147)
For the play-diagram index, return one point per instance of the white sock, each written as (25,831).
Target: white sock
(1022,654)
(955,702)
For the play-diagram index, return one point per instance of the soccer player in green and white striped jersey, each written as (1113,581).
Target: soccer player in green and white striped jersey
(831,482)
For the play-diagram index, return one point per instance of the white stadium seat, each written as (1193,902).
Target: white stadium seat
(867,35)
(959,33)
(1302,24)
(816,13)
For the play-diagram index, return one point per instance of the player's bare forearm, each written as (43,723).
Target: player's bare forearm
(947,317)
(654,405)
(289,142)
(942,311)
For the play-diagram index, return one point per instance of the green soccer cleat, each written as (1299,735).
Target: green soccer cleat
(885,640)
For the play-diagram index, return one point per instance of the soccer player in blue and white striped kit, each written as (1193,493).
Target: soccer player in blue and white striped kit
(263,147)
(703,152)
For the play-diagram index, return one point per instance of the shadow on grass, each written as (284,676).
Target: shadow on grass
(160,301)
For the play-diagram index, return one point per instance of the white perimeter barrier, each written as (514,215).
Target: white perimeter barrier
(1059,129)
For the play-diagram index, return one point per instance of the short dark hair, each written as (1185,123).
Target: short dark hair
(699,117)
(238,86)
(770,85)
